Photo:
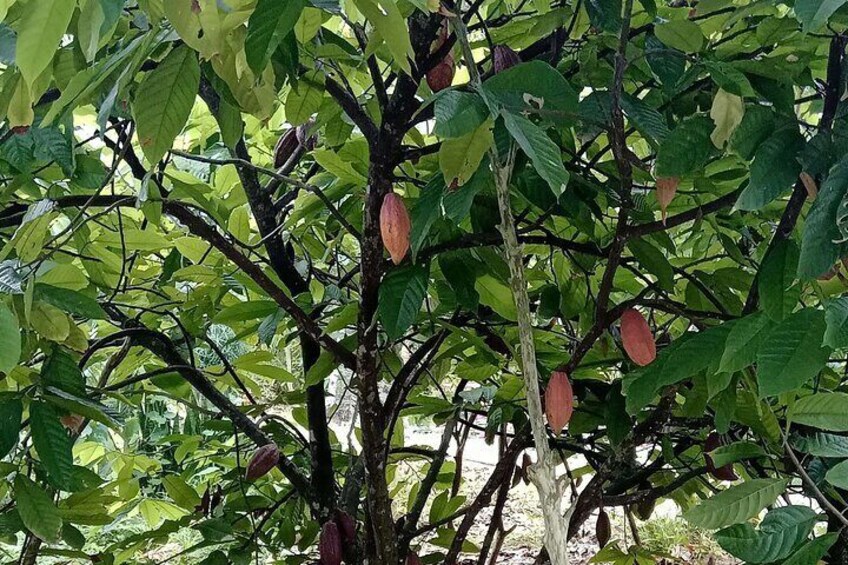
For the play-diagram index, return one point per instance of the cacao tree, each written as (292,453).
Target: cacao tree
(607,236)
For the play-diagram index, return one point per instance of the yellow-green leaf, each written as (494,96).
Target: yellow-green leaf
(42,26)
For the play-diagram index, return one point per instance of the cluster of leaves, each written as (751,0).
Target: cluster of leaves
(190,256)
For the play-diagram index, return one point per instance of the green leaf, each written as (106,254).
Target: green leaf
(496,295)
(838,475)
(164,101)
(42,25)
(822,244)
(684,35)
(534,87)
(779,533)
(458,113)
(53,444)
(821,444)
(823,410)
(62,372)
(543,152)
(459,158)
(402,293)
(812,551)
(774,170)
(836,316)
(36,509)
(391,26)
(736,504)
(792,353)
(180,492)
(686,148)
(11,410)
(776,276)
(268,25)
(744,342)
(738,451)
(70,301)
(813,14)
(605,14)
(426,210)
(654,261)
(10,337)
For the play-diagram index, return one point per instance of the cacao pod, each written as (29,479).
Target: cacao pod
(603,529)
(725,473)
(559,401)
(285,148)
(644,508)
(666,189)
(264,459)
(394,227)
(330,544)
(347,527)
(637,338)
(504,57)
(440,77)
(413,559)
(20,130)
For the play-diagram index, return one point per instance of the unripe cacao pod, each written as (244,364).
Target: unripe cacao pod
(440,77)
(637,338)
(330,544)
(347,527)
(264,459)
(394,227)
(559,401)
(725,473)
(504,57)
(603,529)
(413,559)
(666,189)
(285,148)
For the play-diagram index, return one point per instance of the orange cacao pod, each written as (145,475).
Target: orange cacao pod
(394,227)
(725,473)
(504,57)
(637,338)
(666,189)
(264,459)
(285,148)
(559,401)
(603,530)
(330,544)
(440,77)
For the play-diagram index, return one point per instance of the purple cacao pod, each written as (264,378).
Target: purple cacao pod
(603,529)
(264,459)
(504,57)
(330,544)
(413,559)
(347,527)
(285,148)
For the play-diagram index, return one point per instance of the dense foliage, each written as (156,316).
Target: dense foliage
(193,280)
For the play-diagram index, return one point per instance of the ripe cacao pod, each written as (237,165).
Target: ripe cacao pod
(347,527)
(504,57)
(666,189)
(559,401)
(330,544)
(264,459)
(725,473)
(440,77)
(285,148)
(637,338)
(394,227)
(413,559)
(603,529)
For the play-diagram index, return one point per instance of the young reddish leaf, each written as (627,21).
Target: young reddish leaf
(810,184)
(637,338)
(395,226)
(559,401)
(666,189)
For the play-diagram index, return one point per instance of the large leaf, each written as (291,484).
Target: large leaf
(819,247)
(10,337)
(536,87)
(836,316)
(543,152)
(686,148)
(460,157)
(813,14)
(11,410)
(684,35)
(823,410)
(70,301)
(402,293)
(774,170)
(821,444)
(776,276)
(812,551)
(779,533)
(744,342)
(42,25)
(269,23)
(736,504)
(53,444)
(36,509)
(792,353)
(458,113)
(164,101)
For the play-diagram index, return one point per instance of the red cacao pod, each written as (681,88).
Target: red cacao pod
(637,338)
(347,527)
(666,189)
(413,559)
(504,57)
(395,226)
(559,401)
(264,459)
(440,77)
(603,529)
(285,148)
(725,473)
(330,544)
